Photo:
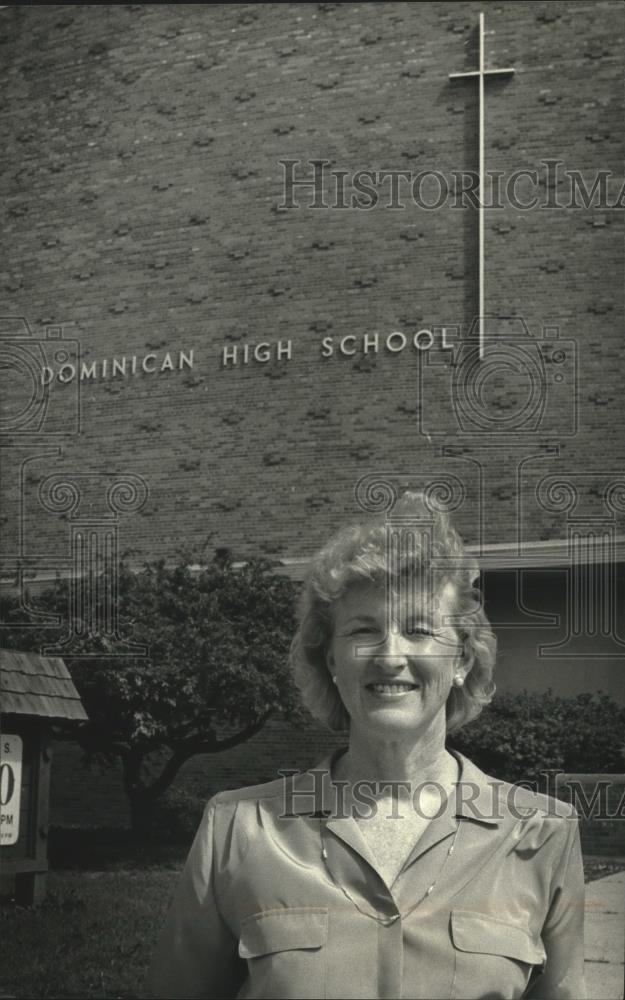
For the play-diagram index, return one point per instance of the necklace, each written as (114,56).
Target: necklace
(376,916)
(430,888)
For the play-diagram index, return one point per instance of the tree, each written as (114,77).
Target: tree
(216,668)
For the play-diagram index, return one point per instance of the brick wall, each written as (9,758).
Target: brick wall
(141,184)
(85,797)
(602,830)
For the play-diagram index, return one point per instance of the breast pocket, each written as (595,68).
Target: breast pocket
(493,958)
(286,953)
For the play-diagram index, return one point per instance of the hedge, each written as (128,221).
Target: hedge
(520,735)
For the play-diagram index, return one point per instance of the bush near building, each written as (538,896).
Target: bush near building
(519,736)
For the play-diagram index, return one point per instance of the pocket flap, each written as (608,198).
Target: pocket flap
(283,930)
(487,935)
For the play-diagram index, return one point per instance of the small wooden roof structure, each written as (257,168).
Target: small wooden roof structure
(38,685)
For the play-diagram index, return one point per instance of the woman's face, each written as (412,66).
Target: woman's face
(394,659)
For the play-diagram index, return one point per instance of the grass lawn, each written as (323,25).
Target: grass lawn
(95,933)
(92,937)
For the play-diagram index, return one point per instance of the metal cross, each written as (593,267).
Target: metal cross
(481,73)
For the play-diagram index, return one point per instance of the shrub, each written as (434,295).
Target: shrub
(176,816)
(520,735)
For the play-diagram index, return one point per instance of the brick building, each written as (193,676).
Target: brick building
(217,361)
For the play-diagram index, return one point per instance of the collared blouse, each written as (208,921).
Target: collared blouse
(281,898)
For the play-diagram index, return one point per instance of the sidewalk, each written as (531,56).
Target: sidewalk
(605,937)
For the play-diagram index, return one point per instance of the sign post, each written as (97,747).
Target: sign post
(36,692)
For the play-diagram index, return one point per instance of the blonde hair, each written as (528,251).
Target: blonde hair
(360,552)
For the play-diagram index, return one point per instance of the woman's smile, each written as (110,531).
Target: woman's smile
(391,689)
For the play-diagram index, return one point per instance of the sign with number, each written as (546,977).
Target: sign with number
(10,788)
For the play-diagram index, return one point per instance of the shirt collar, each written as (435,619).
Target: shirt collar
(313,793)
(478,796)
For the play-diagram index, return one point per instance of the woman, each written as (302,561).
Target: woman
(396,868)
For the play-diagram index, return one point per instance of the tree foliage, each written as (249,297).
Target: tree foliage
(216,668)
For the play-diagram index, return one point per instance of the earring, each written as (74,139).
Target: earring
(458,680)
(334,678)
